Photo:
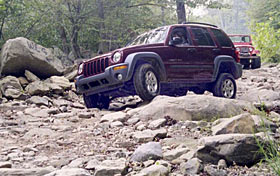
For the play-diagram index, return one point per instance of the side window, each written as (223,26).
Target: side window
(222,38)
(181,32)
(202,37)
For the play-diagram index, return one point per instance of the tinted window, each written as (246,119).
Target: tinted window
(151,37)
(240,39)
(222,38)
(182,33)
(202,37)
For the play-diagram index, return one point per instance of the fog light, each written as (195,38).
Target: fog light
(119,76)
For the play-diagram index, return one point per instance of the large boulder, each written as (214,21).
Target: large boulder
(21,54)
(151,150)
(243,124)
(241,149)
(191,107)
(10,87)
(260,95)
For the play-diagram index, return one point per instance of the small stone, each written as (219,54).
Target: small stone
(116,124)
(116,116)
(157,123)
(191,167)
(173,154)
(85,115)
(78,105)
(30,76)
(222,164)
(5,165)
(155,170)
(133,121)
(151,150)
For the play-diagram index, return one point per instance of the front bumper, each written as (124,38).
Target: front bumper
(102,82)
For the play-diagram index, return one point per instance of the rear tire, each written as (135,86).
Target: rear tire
(146,82)
(225,86)
(96,101)
(256,63)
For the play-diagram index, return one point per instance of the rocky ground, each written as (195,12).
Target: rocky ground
(45,128)
(52,133)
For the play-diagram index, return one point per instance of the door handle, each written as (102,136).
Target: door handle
(191,50)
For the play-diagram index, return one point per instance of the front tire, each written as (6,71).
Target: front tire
(146,82)
(225,86)
(96,101)
(256,63)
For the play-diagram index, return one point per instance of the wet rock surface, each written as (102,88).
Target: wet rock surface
(50,132)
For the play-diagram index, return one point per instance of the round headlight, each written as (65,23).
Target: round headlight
(250,49)
(117,57)
(80,69)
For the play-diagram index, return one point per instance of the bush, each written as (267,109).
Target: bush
(267,40)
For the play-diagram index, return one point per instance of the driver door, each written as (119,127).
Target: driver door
(179,63)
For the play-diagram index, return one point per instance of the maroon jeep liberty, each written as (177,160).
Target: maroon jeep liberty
(169,60)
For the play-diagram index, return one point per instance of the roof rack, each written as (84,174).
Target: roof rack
(200,23)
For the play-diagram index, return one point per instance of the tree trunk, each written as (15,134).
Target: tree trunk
(62,34)
(75,17)
(181,12)
(102,36)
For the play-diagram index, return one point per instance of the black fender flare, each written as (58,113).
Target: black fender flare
(234,68)
(148,57)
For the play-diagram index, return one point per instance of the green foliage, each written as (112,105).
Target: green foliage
(270,149)
(266,39)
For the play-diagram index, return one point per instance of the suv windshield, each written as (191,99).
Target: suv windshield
(155,36)
(241,39)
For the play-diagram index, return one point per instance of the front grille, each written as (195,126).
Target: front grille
(95,67)
(244,50)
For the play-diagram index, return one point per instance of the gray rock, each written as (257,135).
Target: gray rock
(149,135)
(10,87)
(37,88)
(37,112)
(71,76)
(212,171)
(156,123)
(110,167)
(116,116)
(77,163)
(30,76)
(239,148)
(155,170)
(26,172)
(175,153)
(78,105)
(243,124)
(20,54)
(222,164)
(262,124)
(23,81)
(70,172)
(92,164)
(133,121)
(261,95)
(151,150)
(54,88)
(60,81)
(38,101)
(191,167)
(116,124)
(5,164)
(192,107)
(85,115)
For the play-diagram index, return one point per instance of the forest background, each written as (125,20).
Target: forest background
(80,26)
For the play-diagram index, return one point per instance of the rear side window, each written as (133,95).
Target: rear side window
(222,38)
(202,37)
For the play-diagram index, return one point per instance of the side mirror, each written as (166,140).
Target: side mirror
(175,41)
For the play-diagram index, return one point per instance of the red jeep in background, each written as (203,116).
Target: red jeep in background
(248,54)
